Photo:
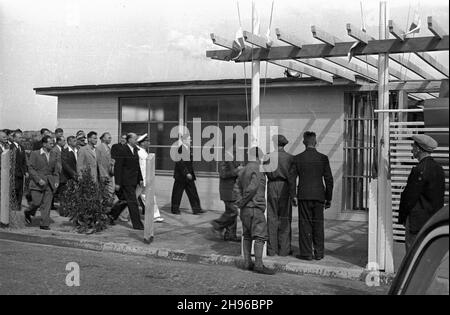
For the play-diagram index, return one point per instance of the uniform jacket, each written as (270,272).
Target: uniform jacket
(87,159)
(69,166)
(423,194)
(250,187)
(127,171)
(104,160)
(21,166)
(315,178)
(283,168)
(39,168)
(184,167)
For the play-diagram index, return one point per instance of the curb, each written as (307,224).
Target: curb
(300,268)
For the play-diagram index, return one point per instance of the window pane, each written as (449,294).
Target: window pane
(163,108)
(160,133)
(233,108)
(137,128)
(134,109)
(163,162)
(203,107)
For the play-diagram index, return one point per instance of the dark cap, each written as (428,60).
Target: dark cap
(280,140)
(425,142)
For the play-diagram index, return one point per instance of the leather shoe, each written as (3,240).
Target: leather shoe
(176,212)
(46,228)
(264,270)
(304,258)
(199,212)
(28,217)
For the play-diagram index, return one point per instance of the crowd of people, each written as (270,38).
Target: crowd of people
(55,160)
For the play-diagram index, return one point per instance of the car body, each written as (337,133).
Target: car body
(425,268)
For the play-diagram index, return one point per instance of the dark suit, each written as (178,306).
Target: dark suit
(279,209)
(182,183)
(47,170)
(422,197)
(127,174)
(20,169)
(314,188)
(69,166)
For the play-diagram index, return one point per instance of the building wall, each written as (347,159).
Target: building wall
(293,111)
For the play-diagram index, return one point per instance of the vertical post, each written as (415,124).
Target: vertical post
(385,239)
(5,187)
(149,226)
(256,68)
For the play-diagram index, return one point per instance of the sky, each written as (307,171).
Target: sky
(68,42)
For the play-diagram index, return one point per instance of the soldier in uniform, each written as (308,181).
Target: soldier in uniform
(250,190)
(228,173)
(424,192)
(314,194)
(279,209)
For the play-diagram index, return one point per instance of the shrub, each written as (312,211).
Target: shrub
(87,204)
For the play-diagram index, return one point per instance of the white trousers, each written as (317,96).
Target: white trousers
(140,192)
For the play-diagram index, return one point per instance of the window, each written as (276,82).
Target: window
(155,116)
(360,148)
(218,111)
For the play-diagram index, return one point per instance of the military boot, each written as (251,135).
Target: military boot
(247,249)
(259,266)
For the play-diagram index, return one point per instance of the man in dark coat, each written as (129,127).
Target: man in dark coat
(314,194)
(127,176)
(69,161)
(424,193)
(228,173)
(21,167)
(185,179)
(250,190)
(37,145)
(279,207)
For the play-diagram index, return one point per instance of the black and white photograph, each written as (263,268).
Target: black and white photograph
(226,155)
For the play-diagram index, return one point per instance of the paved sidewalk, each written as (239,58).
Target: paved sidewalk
(189,238)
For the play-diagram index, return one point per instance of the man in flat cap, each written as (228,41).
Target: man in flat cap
(279,209)
(424,191)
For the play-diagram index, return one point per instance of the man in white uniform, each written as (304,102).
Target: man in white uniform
(143,144)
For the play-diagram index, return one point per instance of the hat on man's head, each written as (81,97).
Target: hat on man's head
(425,142)
(280,140)
(142,138)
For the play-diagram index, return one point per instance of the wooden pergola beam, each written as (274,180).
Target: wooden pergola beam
(220,41)
(256,40)
(311,51)
(357,34)
(396,31)
(435,28)
(433,63)
(355,68)
(327,68)
(324,36)
(416,86)
(288,39)
(298,67)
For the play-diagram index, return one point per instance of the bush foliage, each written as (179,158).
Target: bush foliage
(87,204)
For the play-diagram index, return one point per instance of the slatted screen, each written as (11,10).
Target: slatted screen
(401,158)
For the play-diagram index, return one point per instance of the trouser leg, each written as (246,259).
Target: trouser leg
(318,230)
(119,206)
(194,200)
(272,219)
(305,229)
(177,194)
(284,221)
(36,200)
(18,189)
(130,195)
(228,218)
(46,207)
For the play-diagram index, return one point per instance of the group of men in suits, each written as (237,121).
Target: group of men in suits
(304,181)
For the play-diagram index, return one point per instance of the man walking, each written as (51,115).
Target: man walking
(69,160)
(127,176)
(105,162)
(250,190)
(279,208)
(424,193)
(87,157)
(185,179)
(314,194)
(44,182)
(228,173)
(21,167)
(38,143)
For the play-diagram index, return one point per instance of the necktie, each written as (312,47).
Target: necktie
(135,151)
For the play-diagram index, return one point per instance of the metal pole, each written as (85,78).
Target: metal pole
(256,68)
(385,239)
